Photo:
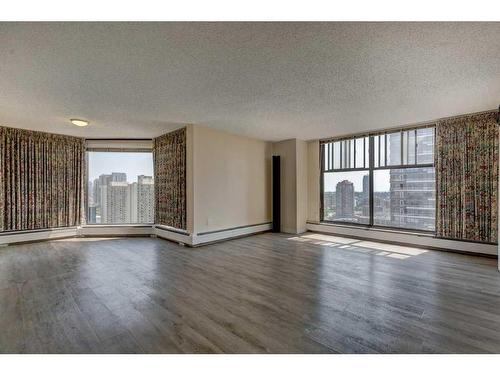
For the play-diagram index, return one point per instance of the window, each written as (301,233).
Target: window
(346,185)
(404,198)
(120,188)
(401,169)
(346,197)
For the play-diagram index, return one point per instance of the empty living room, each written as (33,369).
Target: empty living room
(204,185)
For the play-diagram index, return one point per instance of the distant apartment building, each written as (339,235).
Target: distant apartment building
(145,199)
(115,201)
(132,203)
(329,205)
(118,177)
(365,197)
(90,189)
(344,196)
(92,214)
(115,207)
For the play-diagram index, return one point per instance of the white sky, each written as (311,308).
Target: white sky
(131,163)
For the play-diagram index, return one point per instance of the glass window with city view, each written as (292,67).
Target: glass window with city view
(120,188)
(401,168)
(346,181)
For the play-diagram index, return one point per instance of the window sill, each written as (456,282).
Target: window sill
(117,226)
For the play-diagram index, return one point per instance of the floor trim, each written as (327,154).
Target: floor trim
(229,233)
(21,237)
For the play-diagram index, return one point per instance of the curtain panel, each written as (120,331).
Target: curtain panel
(169,153)
(467,178)
(41,180)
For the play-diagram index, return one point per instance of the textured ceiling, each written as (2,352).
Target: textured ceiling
(267,80)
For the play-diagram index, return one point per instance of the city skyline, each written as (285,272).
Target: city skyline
(114,200)
(331,179)
(130,163)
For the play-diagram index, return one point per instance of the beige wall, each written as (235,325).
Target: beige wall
(288,161)
(231,180)
(313,188)
(294,165)
(302,185)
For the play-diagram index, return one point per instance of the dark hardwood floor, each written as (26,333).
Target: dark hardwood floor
(269,293)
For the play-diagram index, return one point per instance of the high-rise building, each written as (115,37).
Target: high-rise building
(329,205)
(145,199)
(92,214)
(96,196)
(118,177)
(116,208)
(90,191)
(365,198)
(344,197)
(133,202)
(117,201)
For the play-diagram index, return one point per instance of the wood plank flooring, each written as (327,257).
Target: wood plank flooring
(268,293)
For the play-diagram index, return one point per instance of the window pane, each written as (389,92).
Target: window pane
(376,151)
(425,145)
(345,154)
(336,155)
(394,148)
(405,198)
(360,146)
(411,146)
(382,150)
(346,197)
(120,188)
(329,156)
(325,156)
(367,152)
(351,153)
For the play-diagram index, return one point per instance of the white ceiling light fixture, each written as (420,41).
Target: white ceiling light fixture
(79,122)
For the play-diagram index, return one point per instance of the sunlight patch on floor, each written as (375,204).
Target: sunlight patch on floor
(367,247)
(391,248)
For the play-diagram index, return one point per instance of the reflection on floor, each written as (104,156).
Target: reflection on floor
(369,247)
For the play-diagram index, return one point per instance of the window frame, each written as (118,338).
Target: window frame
(113,145)
(372,137)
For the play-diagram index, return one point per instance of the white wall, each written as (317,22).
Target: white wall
(231,180)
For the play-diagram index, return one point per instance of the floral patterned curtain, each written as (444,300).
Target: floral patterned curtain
(467,177)
(41,180)
(170,179)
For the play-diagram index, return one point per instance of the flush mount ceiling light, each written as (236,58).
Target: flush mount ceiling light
(79,122)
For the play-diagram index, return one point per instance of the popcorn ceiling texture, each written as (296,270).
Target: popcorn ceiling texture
(271,81)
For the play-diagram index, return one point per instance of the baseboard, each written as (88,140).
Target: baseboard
(173,234)
(10,238)
(161,231)
(116,230)
(412,239)
(225,234)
